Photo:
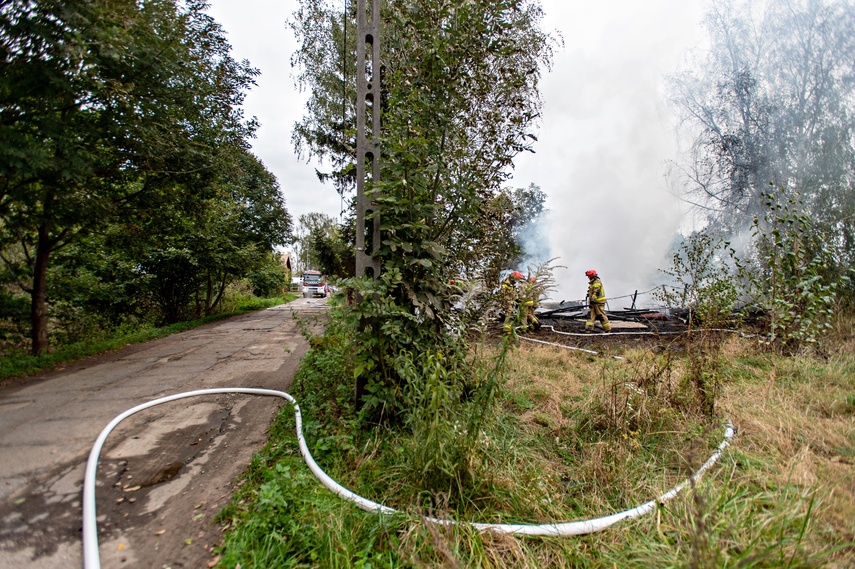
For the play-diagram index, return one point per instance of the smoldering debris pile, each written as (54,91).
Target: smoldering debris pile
(571,317)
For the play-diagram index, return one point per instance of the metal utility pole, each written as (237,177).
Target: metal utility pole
(367,135)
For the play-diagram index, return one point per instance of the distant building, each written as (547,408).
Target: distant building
(285,259)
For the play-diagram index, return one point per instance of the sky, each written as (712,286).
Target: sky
(606,135)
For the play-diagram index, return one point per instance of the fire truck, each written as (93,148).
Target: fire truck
(314,284)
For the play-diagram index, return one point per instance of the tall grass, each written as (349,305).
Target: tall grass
(572,437)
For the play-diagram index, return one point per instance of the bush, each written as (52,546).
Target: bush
(236,295)
(796,279)
(268,281)
(707,289)
(14,324)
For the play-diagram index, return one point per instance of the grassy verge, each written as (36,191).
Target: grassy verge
(22,364)
(574,437)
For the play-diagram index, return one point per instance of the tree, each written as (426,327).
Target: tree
(326,60)
(105,107)
(794,275)
(460,100)
(270,279)
(335,251)
(315,230)
(263,217)
(176,261)
(771,102)
(243,225)
(502,237)
(203,245)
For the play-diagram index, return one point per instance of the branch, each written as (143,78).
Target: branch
(18,281)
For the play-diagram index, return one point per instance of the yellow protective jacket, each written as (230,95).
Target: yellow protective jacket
(596,292)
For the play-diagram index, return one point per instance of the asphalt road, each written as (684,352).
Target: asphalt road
(164,472)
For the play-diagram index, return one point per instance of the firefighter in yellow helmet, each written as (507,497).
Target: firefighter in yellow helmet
(529,298)
(508,296)
(596,302)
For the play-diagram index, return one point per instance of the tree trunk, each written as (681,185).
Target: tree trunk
(223,284)
(209,297)
(39,296)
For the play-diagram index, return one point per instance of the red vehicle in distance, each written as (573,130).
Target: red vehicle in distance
(314,284)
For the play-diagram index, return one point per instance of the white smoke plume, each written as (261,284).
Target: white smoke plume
(605,142)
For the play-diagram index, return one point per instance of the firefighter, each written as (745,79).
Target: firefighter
(529,298)
(596,302)
(508,296)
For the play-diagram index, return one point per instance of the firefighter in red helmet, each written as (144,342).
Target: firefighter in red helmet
(596,303)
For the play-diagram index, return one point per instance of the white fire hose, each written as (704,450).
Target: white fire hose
(92,559)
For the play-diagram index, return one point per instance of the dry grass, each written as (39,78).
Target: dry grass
(798,416)
(795,420)
(607,429)
(841,340)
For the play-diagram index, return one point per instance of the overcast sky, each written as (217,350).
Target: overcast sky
(604,141)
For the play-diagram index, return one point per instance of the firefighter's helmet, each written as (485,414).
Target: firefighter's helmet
(517,275)
(591,274)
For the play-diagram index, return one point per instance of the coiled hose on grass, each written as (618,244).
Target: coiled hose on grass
(92,558)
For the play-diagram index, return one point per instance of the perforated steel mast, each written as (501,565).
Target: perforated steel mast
(367,134)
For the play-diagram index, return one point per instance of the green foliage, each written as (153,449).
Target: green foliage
(177,264)
(223,237)
(270,279)
(17,362)
(446,414)
(566,458)
(459,101)
(107,111)
(506,221)
(324,378)
(326,246)
(796,279)
(174,279)
(704,274)
(384,328)
(461,97)
(443,403)
(703,280)
(13,322)
(98,276)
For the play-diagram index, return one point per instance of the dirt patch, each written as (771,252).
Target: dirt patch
(158,508)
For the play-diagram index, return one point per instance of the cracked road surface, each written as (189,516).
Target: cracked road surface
(165,471)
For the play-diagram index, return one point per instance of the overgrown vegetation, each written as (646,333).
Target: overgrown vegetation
(460,100)
(464,426)
(572,437)
(706,287)
(797,278)
(129,198)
